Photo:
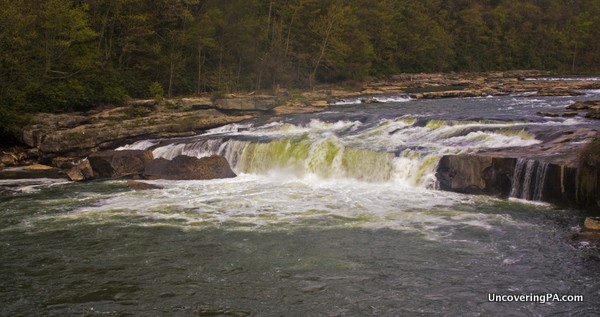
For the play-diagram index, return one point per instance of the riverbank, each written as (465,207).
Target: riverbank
(58,138)
(63,140)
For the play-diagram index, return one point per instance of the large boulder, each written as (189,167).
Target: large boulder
(81,171)
(186,168)
(117,164)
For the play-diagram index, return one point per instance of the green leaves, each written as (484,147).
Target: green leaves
(59,55)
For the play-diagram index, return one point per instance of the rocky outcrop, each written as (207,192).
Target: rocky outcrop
(77,135)
(81,171)
(248,103)
(591,106)
(141,164)
(558,171)
(118,164)
(187,168)
(476,174)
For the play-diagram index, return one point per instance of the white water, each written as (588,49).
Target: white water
(393,150)
(371,99)
(529,179)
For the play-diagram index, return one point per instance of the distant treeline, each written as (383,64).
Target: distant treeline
(59,55)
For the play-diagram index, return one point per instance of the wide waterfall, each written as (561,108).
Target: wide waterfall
(403,150)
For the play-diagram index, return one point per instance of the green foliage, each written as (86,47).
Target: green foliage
(63,55)
(157,92)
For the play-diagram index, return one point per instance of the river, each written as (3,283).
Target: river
(332,214)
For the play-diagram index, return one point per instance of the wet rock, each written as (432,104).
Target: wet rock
(118,164)
(81,171)
(588,176)
(584,105)
(569,114)
(369,100)
(593,114)
(476,174)
(186,168)
(549,114)
(571,171)
(591,223)
(142,186)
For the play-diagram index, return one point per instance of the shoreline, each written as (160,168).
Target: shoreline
(59,140)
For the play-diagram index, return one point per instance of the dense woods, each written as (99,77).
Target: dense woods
(63,55)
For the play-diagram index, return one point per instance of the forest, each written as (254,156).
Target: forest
(72,55)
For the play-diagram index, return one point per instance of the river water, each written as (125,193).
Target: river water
(332,214)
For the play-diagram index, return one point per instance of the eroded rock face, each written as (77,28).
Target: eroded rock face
(187,168)
(76,135)
(476,174)
(560,171)
(117,164)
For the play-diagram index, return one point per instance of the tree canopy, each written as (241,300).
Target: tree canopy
(63,55)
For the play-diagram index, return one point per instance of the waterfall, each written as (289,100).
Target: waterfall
(529,179)
(403,150)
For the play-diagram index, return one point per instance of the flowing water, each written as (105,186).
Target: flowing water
(332,214)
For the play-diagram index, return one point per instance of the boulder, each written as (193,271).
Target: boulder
(186,168)
(591,223)
(141,186)
(117,164)
(81,171)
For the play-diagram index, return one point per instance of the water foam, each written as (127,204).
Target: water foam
(274,202)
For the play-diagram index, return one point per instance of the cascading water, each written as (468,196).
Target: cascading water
(402,150)
(529,179)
